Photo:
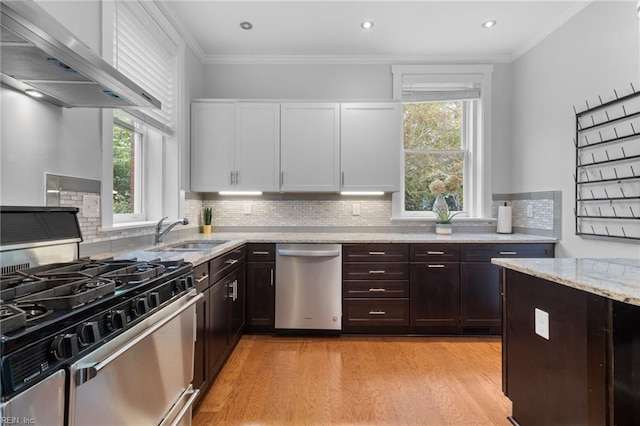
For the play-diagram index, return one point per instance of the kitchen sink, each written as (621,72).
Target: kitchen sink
(187,246)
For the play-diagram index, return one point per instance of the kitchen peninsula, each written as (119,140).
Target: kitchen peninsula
(571,344)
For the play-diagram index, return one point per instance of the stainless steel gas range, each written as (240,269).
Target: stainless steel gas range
(90,342)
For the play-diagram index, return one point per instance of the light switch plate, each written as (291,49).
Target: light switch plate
(529,210)
(356,209)
(247,208)
(91,206)
(542,323)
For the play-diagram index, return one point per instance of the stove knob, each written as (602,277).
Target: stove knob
(154,299)
(188,282)
(88,333)
(178,287)
(140,306)
(116,319)
(64,346)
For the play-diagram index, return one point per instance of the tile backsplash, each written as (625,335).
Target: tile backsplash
(533,212)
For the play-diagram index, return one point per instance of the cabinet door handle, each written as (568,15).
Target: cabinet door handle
(342,179)
(262,253)
(377,253)
(271,277)
(377,290)
(231,177)
(282,178)
(202,278)
(377,272)
(435,266)
(231,261)
(439,253)
(377,313)
(509,252)
(237,177)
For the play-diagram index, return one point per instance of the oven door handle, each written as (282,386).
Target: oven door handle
(89,371)
(175,420)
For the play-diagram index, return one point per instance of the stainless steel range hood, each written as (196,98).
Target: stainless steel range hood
(37,52)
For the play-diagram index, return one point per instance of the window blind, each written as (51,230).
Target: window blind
(146,54)
(439,87)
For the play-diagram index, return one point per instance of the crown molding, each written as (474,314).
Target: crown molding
(350,59)
(180,27)
(557,23)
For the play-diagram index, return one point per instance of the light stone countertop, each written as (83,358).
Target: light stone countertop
(236,239)
(617,279)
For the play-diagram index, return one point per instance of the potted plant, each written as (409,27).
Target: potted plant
(441,208)
(206,218)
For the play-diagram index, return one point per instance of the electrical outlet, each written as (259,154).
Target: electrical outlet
(247,208)
(90,206)
(356,209)
(529,210)
(542,323)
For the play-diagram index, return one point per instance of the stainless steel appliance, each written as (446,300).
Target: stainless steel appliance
(308,287)
(75,329)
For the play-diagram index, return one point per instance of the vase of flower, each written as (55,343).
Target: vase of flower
(441,208)
(206,220)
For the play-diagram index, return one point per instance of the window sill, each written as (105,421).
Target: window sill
(465,220)
(128,225)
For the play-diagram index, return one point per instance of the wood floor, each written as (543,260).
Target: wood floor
(358,381)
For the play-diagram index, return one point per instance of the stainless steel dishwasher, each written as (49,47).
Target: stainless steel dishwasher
(308,287)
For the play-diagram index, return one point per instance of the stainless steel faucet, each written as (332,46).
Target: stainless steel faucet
(160,234)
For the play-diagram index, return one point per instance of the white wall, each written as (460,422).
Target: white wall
(38,137)
(592,54)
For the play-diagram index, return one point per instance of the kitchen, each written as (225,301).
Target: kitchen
(534,87)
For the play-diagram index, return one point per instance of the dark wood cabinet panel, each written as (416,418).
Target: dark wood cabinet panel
(222,265)
(200,362)
(261,296)
(434,252)
(435,294)
(376,312)
(375,252)
(218,327)
(376,288)
(375,271)
(563,379)
(480,297)
(485,252)
(237,304)
(261,252)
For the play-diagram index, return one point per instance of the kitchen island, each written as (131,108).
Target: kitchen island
(571,342)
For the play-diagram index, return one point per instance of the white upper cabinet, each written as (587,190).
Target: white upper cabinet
(371,144)
(235,146)
(310,147)
(212,144)
(257,148)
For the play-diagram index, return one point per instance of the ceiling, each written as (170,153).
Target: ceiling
(329,31)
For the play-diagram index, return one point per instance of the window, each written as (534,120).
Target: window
(142,161)
(128,170)
(446,128)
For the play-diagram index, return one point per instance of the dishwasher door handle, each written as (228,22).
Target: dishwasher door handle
(309,253)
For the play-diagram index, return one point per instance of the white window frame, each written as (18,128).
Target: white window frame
(477,164)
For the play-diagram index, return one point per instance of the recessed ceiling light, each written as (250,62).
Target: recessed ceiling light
(33,93)
(367,25)
(489,24)
(246,25)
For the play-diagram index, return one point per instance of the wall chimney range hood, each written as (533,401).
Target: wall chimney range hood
(39,53)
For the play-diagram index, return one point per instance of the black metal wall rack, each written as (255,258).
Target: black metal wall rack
(607,173)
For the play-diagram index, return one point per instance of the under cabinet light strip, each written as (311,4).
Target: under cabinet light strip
(240,193)
(362,193)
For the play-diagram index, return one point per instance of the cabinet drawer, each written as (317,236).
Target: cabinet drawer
(484,252)
(375,271)
(222,265)
(376,312)
(261,252)
(376,288)
(375,252)
(201,274)
(435,252)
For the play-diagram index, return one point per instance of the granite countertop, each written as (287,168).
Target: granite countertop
(233,240)
(617,279)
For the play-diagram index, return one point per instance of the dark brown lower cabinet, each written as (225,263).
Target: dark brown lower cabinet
(200,359)
(587,372)
(261,297)
(435,294)
(480,301)
(218,327)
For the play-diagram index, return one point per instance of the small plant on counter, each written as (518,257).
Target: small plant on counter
(206,215)
(443,214)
